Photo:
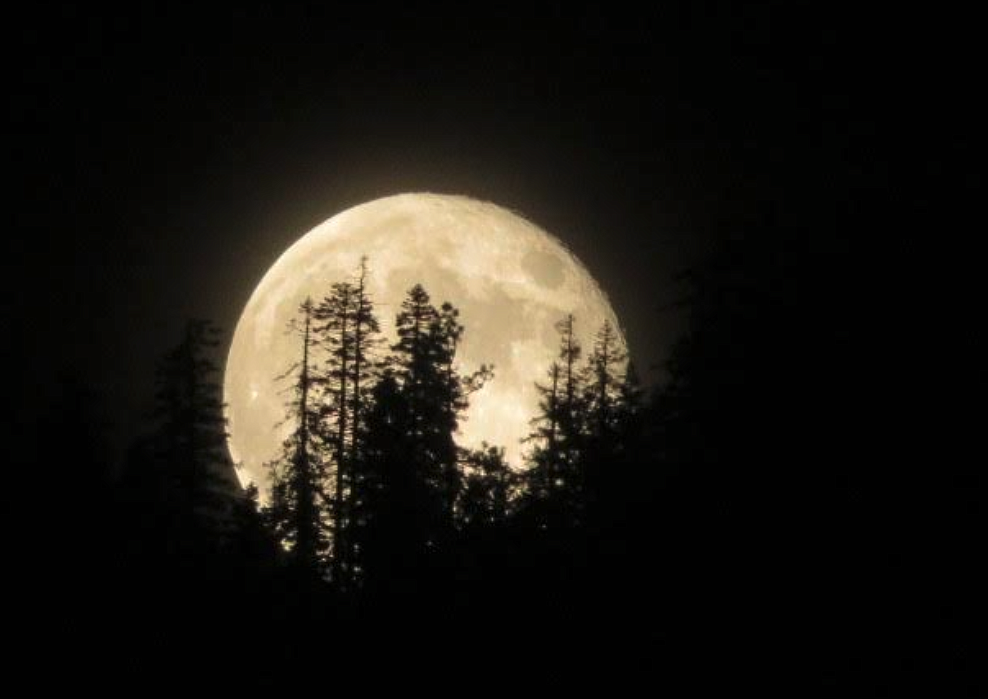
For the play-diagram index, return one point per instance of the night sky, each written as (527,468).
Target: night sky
(167,159)
(161,158)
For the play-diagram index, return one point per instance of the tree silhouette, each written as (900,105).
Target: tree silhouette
(421,360)
(554,477)
(544,456)
(348,332)
(489,486)
(297,476)
(631,509)
(411,463)
(392,531)
(189,442)
(337,333)
(607,386)
(604,384)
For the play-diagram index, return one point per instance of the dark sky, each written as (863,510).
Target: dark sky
(167,159)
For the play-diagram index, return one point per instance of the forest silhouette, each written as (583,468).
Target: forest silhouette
(650,530)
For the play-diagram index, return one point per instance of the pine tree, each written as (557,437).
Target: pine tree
(571,422)
(630,407)
(611,405)
(416,357)
(412,464)
(297,477)
(544,459)
(488,487)
(251,545)
(605,385)
(392,533)
(419,359)
(336,334)
(189,445)
(365,369)
(348,331)
(448,332)
(556,460)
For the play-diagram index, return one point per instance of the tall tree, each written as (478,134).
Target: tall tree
(631,405)
(612,411)
(365,369)
(571,416)
(412,463)
(448,331)
(555,478)
(348,330)
(390,539)
(488,487)
(419,361)
(416,357)
(298,475)
(544,457)
(189,444)
(605,384)
(335,313)
(455,391)
(366,340)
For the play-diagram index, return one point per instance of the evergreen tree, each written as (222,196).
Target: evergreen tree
(419,361)
(365,369)
(297,477)
(556,461)
(348,332)
(336,333)
(251,545)
(390,541)
(631,407)
(544,458)
(188,447)
(412,464)
(612,411)
(571,414)
(448,332)
(605,387)
(488,487)
(455,393)
(416,358)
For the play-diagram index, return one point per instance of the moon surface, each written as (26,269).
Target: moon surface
(511,280)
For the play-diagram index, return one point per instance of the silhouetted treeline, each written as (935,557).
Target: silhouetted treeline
(651,531)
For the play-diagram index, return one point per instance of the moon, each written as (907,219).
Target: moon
(511,280)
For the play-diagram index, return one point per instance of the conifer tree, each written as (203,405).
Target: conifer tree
(630,406)
(571,415)
(544,459)
(611,402)
(448,331)
(556,460)
(189,444)
(365,369)
(605,385)
(348,331)
(456,389)
(416,357)
(335,313)
(419,361)
(488,485)
(297,477)
(251,544)
(412,464)
(392,533)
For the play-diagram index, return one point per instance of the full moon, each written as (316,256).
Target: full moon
(511,280)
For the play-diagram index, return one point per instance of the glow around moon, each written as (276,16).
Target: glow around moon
(511,281)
